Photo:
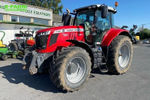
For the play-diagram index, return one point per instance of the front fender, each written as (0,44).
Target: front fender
(81,44)
(112,34)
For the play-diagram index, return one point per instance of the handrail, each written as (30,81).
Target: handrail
(3,35)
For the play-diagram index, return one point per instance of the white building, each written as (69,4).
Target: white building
(13,17)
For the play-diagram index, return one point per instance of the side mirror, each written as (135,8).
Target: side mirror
(134,26)
(123,27)
(104,11)
(66,18)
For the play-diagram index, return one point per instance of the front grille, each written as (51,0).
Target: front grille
(41,41)
(53,39)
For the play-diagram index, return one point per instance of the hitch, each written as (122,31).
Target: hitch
(34,60)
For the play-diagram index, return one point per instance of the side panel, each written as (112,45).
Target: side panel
(111,34)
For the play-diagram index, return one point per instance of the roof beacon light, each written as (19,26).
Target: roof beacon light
(116,4)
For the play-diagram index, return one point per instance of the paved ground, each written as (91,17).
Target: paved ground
(16,84)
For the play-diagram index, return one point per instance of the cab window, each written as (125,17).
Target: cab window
(103,23)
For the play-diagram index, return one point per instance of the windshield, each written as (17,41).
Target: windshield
(112,19)
(84,16)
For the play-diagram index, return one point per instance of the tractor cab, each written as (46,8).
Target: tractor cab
(96,20)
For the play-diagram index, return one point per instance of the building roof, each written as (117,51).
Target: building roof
(96,6)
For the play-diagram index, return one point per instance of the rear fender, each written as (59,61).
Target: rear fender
(112,34)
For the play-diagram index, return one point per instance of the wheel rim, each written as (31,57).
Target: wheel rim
(76,69)
(124,56)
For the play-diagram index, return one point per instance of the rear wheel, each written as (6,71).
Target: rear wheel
(120,55)
(70,68)
(14,56)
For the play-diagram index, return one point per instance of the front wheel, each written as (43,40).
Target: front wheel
(4,57)
(120,55)
(70,68)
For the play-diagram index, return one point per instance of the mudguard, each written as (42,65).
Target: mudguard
(82,45)
(112,34)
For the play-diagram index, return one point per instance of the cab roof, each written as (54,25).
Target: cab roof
(94,7)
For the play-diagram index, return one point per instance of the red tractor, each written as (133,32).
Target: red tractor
(70,52)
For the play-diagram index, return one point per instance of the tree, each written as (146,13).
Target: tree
(55,5)
(145,33)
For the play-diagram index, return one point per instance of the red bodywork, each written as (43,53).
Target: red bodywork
(74,33)
(111,34)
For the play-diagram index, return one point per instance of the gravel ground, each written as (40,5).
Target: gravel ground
(17,84)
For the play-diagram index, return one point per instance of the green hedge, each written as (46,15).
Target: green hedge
(144,34)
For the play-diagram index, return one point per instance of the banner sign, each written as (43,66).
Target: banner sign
(24,10)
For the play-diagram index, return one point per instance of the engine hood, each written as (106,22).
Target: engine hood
(63,29)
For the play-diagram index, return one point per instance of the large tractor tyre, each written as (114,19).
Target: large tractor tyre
(120,55)
(13,47)
(70,69)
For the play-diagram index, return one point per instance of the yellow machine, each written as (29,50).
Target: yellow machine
(1,40)
(5,51)
(137,38)
(1,44)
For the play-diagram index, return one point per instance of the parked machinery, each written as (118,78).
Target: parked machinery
(23,41)
(6,51)
(135,39)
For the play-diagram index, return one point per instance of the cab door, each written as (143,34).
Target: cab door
(102,25)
